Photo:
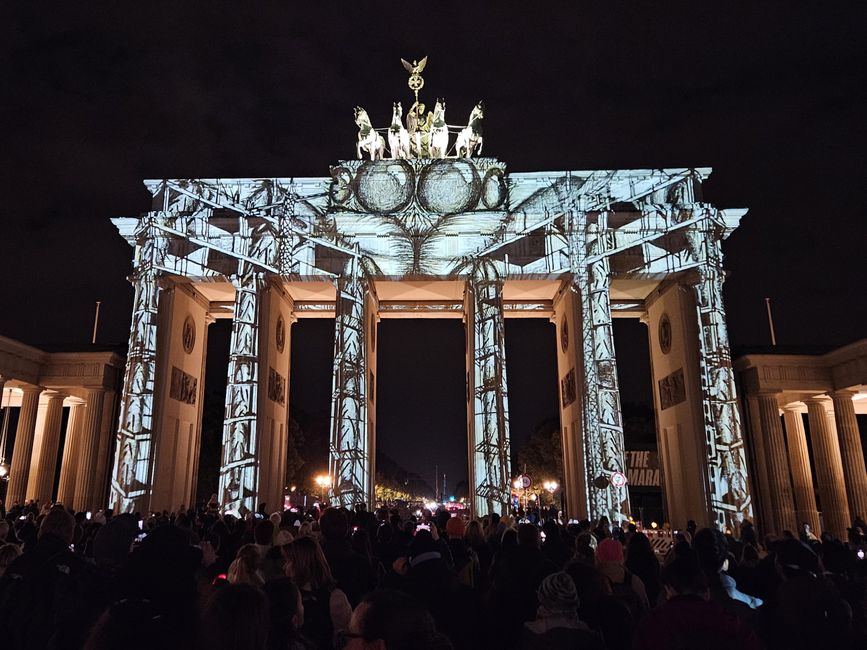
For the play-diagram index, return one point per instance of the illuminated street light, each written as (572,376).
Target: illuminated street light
(323,481)
(4,471)
(551,486)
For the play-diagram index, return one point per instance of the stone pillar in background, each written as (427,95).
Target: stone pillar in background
(19,472)
(239,472)
(69,460)
(86,490)
(178,394)
(605,453)
(829,467)
(728,481)
(782,504)
(487,393)
(349,457)
(570,364)
(799,464)
(761,481)
(851,452)
(275,358)
(44,460)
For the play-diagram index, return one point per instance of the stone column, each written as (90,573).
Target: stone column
(782,504)
(487,392)
(239,472)
(349,458)
(567,318)
(69,460)
(4,422)
(132,473)
(829,467)
(86,490)
(133,460)
(851,452)
(604,453)
(275,357)
(761,481)
(799,463)
(606,460)
(23,450)
(45,458)
(728,483)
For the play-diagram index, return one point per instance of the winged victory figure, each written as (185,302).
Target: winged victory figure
(416,67)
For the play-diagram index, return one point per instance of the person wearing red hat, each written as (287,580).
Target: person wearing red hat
(627,586)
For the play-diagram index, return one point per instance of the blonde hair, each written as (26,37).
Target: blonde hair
(306,564)
(473,533)
(244,568)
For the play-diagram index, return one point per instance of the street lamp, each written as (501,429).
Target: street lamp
(324,483)
(551,486)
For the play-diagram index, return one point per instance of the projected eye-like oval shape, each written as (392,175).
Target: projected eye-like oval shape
(493,189)
(384,185)
(449,186)
(341,180)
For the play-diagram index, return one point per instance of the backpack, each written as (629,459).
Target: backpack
(624,593)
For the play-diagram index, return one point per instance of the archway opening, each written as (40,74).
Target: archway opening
(421,408)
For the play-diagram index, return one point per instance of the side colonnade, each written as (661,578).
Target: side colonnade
(69,398)
(803,423)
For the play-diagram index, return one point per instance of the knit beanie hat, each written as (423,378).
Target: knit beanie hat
(557,593)
(609,550)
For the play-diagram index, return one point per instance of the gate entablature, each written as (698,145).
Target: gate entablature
(298,229)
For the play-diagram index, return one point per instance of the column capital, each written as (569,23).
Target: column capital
(843,394)
(27,389)
(794,407)
(817,400)
(51,394)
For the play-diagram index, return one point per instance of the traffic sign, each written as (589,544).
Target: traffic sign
(525,481)
(618,479)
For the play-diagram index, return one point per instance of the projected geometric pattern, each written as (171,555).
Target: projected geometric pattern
(603,426)
(239,469)
(489,443)
(349,464)
(429,219)
(132,474)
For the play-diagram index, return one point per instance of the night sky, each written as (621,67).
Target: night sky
(96,98)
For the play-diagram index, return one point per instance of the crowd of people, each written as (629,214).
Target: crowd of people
(395,579)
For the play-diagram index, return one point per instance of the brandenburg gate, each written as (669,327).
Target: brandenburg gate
(428,233)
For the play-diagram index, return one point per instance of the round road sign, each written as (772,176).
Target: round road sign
(618,479)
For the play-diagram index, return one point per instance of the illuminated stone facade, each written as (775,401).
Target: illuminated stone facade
(445,238)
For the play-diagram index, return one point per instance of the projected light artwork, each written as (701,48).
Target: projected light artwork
(419,224)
